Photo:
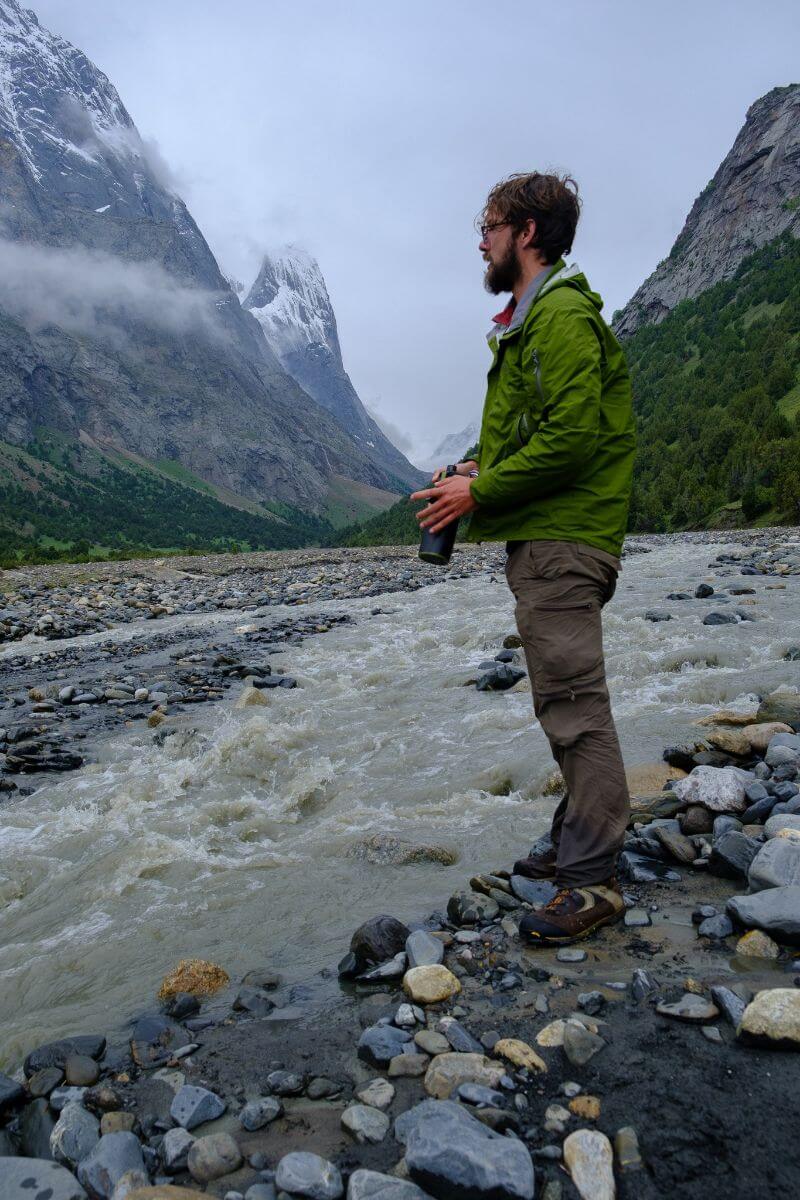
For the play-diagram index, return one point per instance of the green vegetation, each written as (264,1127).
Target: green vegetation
(60,500)
(717,397)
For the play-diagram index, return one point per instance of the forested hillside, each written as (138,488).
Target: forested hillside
(716,391)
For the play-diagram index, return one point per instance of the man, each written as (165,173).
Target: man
(555,462)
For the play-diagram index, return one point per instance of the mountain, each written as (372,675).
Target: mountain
(752,199)
(118,333)
(452,447)
(290,301)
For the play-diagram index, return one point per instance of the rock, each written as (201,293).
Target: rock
(720,789)
(533,891)
(458,1037)
(193,1106)
(717,927)
(756,944)
(35,1127)
(772,1019)
(365,1124)
(408,1065)
(471,908)
(482,1097)
(695,1010)
(131,1185)
(776,911)
(585,1107)
(552,1034)
(730,1005)
(377,1094)
(571,954)
(66,1095)
(430,985)
(252,697)
(520,1054)
(374,942)
(394,968)
(677,845)
(636,918)
(258,1113)
(80,1070)
(580,1045)
(637,868)
(760,735)
(712,1034)
(41,1083)
(379,1044)
(175,1150)
(195,976)
(696,819)
(424,950)
(590,1161)
(732,854)
(781,706)
(715,617)
(12,1094)
(370,1185)
(732,741)
(452,1155)
(703,590)
(777,864)
(780,822)
(55,1054)
(447,1071)
(74,1136)
(153,1040)
(38,1179)
(285,1083)
(431,1042)
(784,748)
(105,1165)
(212,1156)
(408,1015)
(499,678)
(626,1147)
(253,1000)
(304,1174)
(321,1088)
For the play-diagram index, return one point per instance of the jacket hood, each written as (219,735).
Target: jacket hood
(571,276)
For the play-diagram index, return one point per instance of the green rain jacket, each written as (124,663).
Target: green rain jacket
(557,436)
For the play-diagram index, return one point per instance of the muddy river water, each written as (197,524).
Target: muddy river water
(239,837)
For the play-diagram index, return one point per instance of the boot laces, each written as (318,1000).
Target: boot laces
(559,900)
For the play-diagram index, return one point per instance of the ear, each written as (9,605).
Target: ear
(527,235)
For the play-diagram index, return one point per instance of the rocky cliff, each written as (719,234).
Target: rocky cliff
(753,197)
(115,321)
(290,301)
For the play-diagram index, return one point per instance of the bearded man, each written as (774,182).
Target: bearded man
(555,465)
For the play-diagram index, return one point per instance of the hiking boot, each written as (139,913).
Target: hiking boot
(573,913)
(537,866)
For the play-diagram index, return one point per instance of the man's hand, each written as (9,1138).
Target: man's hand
(451,498)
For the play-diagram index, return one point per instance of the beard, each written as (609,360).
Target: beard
(502,275)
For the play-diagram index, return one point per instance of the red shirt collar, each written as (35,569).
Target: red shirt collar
(504,317)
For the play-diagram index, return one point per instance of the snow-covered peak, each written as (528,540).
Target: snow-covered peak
(290,301)
(66,119)
(451,448)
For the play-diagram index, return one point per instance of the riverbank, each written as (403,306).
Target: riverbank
(671,1081)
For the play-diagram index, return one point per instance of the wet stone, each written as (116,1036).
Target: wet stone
(35,1127)
(153,1040)
(253,1000)
(285,1083)
(12,1094)
(113,1155)
(375,941)
(533,891)
(718,927)
(212,1156)
(66,1095)
(379,1044)
(258,1113)
(424,950)
(193,1106)
(732,854)
(471,908)
(37,1179)
(80,1070)
(459,1038)
(302,1173)
(730,1005)
(55,1054)
(75,1135)
(776,911)
(365,1124)
(694,1010)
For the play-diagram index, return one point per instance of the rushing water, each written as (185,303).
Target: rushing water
(233,840)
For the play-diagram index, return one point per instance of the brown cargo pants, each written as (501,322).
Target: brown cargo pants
(560,588)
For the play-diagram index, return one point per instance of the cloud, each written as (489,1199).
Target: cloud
(97,294)
(400,440)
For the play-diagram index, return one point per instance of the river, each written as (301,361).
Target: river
(233,839)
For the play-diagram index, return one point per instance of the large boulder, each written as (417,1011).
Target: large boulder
(31,1178)
(55,1054)
(720,789)
(102,1169)
(454,1157)
(777,864)
(781,706)
(772,1019)
(776,911)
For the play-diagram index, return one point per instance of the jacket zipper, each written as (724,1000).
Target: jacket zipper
(537,367)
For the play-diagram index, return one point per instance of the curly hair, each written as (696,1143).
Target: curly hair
(550,200)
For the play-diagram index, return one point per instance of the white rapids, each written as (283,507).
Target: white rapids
(233,839)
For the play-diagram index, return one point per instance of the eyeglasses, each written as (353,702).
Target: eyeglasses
(484,229)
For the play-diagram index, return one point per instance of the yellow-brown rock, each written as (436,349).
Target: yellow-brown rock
(195,976)
(520,1054)
(155,719)
(732,741)
(252,698)
(551,1035)
(759,736)
(726,716)
(447,1071)
(756,944)
(586,1107)
(163,1191)
(430,985)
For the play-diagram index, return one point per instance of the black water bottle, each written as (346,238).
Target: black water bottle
(437,547)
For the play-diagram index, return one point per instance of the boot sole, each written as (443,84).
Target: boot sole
(542,942)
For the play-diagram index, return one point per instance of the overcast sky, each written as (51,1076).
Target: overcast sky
(370,134)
